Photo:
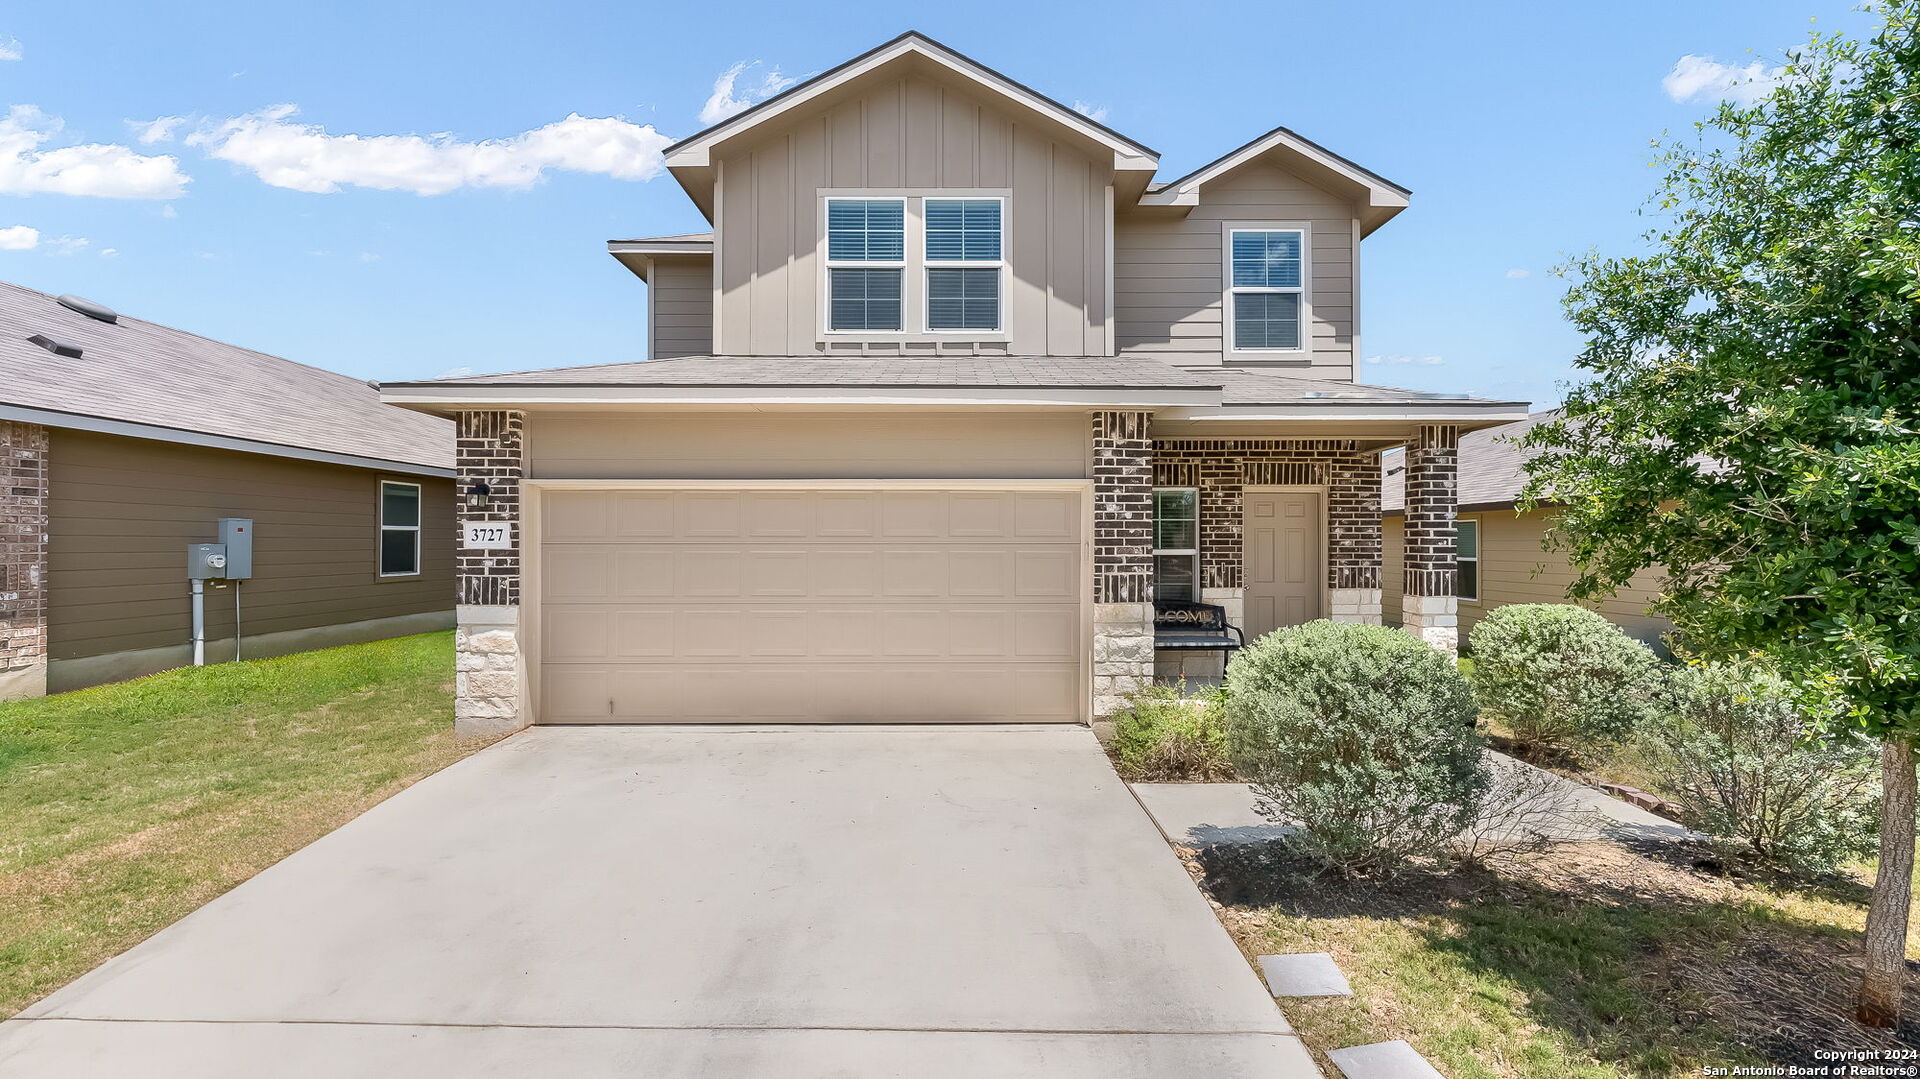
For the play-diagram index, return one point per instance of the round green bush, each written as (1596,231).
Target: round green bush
(1561,677)
(1750,768)
(1362,736)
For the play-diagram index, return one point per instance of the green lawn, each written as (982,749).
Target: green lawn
(124,807)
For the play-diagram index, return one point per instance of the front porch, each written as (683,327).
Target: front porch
(1274,530)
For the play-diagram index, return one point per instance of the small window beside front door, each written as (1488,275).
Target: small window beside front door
(1466,553)
(1176,544)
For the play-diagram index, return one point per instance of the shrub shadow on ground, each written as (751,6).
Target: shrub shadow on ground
(1655,961)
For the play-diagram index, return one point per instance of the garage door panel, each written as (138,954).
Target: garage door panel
(794,606)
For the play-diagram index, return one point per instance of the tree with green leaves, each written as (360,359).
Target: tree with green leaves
(1750,425)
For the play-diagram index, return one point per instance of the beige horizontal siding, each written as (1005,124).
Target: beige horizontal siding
(1515,568)
(681,292)
(1167,271)
(121,512)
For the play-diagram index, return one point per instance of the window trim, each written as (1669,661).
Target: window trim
(914,298)
(417,528)
(1171,552)
(1228,346)
(1457,524)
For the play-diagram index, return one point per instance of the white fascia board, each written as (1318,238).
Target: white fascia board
(694,153)
(1452,412)
(1186,192)
(660,247)
(803,395)
(101,425)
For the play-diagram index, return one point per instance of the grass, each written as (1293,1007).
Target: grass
(1593,961)
(127,806)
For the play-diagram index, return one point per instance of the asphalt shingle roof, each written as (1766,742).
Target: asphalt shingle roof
(783,371)
(1493,468)
(140,372)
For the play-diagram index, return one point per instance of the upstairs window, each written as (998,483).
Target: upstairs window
(1266,289)
(963,264)
(866,262)
(1176,544)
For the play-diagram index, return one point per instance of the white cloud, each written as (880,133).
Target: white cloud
(303,157)
(455,372)
(1516,274)
(10,48)
(97,169)
(68,245)
(19,238)
(1402,360)
(169,212)
(724,101)
(109,252)
(1096,113)
(158,129)
(1702,78)
(368,256)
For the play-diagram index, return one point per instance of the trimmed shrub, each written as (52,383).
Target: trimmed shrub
(1166,736)
(1362,736)
(1750,768)
(1561,677)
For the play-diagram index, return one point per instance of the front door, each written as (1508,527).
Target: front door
(1284,552)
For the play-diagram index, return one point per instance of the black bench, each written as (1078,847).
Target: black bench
(1195,627)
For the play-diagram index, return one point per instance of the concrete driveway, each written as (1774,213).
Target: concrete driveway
(626,901)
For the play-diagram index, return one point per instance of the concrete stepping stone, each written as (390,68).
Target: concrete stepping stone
(1308,974)
(1383,1060)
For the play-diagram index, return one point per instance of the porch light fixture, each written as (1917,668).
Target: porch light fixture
(477,495)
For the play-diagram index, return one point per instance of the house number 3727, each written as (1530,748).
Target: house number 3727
(485,536)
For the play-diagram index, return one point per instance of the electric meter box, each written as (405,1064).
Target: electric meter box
(236,534)
(206,561)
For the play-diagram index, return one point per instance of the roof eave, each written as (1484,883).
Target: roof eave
(1468,415)
(434,397)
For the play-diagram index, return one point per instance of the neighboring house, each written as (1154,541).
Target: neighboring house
(954,390)
(1502,551)
(125,441)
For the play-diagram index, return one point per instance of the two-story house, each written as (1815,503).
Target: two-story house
(955,388)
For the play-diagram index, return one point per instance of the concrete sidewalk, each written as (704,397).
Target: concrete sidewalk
(929,901)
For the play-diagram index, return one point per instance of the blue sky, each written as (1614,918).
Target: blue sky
(1522,129)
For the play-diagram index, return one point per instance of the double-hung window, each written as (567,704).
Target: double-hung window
(399,528)
(1266,289)
(866,264)
(1176,544)
(963,264)
(1466,554)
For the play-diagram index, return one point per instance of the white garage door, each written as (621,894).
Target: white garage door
(797,605)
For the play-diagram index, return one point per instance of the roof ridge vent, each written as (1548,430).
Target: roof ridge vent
(99,312)
(58,348)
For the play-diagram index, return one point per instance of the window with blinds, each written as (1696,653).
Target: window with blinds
(964,267)
(1266,289)
(866,263)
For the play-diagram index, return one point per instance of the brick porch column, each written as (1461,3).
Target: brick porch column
(1122,558)
(490,683)
(1429,610)
(23,562)
(1354,551)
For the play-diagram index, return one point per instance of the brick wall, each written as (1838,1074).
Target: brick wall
(23,547)
(489,447)
(1433,459)
(1222,468)
(1122,507)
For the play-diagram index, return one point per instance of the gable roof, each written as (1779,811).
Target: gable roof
(145,380)
(1493,468)
(1381,197)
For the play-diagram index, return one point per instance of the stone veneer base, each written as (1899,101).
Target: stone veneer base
(1354,605)
(1122,654)
(1433,619)
(490,671)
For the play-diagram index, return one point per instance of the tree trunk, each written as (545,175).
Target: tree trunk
(1886,973)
